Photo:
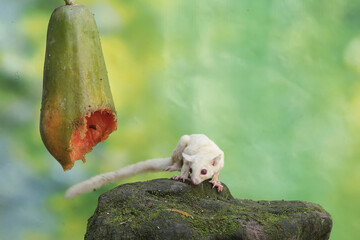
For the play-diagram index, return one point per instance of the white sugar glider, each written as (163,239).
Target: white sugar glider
(195,154)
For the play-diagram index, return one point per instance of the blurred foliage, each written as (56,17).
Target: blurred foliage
(274,83)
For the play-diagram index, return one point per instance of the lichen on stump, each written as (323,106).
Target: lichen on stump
(168,209)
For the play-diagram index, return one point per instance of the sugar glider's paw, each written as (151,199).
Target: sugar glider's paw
(218,185)
(177,177)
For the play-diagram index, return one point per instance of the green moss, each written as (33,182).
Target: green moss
(142,209)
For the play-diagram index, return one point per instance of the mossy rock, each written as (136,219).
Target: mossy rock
(169,209)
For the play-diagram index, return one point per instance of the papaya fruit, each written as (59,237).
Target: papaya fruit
(77,108)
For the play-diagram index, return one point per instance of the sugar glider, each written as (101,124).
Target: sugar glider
(195,156)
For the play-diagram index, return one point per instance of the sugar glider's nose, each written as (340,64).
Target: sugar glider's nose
(195,181)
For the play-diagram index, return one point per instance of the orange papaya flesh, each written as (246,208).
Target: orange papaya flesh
(77,109)
(69,140)
(97,128)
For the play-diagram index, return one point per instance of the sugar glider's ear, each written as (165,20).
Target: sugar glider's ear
(216,160)
(188,157)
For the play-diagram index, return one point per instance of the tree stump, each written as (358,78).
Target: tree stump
(169,209)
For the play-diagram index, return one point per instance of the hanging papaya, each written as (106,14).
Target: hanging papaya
(77,109)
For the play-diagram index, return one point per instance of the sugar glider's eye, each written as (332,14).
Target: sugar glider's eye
(203,171)
(190,170)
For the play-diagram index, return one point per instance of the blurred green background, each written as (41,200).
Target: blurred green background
(275,83)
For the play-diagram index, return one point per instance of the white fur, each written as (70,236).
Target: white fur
(196,152)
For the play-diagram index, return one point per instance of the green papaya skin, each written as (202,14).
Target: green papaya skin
(77,109)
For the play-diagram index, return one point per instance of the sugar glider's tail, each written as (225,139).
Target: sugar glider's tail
(151,165)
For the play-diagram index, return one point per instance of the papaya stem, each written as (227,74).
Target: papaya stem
(70,2)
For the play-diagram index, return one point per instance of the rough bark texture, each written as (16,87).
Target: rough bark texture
(168,209)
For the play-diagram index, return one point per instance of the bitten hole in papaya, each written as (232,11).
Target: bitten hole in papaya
(98,126)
